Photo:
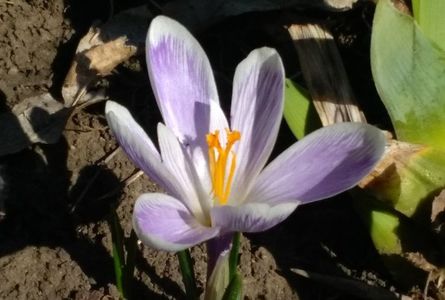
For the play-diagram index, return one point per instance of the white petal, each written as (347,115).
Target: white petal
(164,223)
(257,110)
(180,165)
(138,146)
(181,78)
(250,217)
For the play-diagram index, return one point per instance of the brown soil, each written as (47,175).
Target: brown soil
(55,242)
(30,34)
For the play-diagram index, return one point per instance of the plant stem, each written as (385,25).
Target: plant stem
(234,253)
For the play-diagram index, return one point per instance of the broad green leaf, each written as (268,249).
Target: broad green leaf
(409,72)
(413,176)
(384,232)
(422,177)
(299,112)
(429,14)
(394,236)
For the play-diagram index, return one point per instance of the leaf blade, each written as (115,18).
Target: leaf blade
(299,112)
(409,72)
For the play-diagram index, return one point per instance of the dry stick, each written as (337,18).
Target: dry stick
(79,96)
(325,74)
(427,285)
(101,162)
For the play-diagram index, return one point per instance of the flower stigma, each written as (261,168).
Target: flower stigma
(218,160)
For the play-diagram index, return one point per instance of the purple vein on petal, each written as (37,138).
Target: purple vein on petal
(326,162)
(251,217)
(138,146)
(256,112)
(181,78)
(165,223)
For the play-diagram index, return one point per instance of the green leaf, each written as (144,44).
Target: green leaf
(299,112)
(414,175)
(123,260)
(234,253)
(409,72)
(429,14)
(418,181)
(394,236)
(235,289)
(118,252)
(188,276)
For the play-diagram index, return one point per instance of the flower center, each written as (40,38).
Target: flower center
(219,158)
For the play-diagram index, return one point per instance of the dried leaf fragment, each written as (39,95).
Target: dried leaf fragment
(102,49)
(325,74)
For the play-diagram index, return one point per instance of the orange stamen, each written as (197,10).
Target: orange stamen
(218,159)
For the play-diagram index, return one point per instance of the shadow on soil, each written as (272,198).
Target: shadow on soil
(38,204)
(36,201)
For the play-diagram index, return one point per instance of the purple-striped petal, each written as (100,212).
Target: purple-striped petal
(138,146)
(250,217)
(164,223)
(181,78)
(257,107)
(180,166)
(322,164)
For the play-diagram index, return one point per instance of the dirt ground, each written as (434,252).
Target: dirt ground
(54,238)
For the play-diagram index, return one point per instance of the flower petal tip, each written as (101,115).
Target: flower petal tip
(111,106)
(321,165)
(164,223)
(162,24)
(181,77)
(264,57)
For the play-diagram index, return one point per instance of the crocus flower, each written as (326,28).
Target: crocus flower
(214,171)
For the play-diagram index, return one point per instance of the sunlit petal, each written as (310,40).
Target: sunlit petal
(250,217)
(180,166)
(164,223)
(323,164)
(181,78)
(257,108)
(138,146)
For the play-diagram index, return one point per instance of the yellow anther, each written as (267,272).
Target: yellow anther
(232,137)
(218,159)
(213,140)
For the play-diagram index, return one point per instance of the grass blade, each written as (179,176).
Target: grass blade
(118,252)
